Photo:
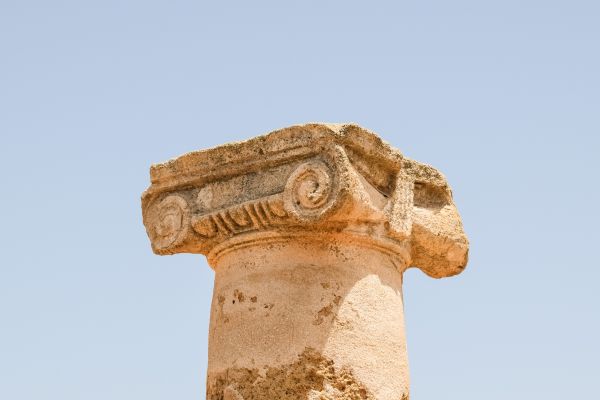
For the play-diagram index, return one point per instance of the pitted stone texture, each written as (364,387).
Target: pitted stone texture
(341,298)
(310,377)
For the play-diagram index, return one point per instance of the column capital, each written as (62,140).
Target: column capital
(318,180)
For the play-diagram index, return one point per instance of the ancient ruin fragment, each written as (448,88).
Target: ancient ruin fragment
(308,229)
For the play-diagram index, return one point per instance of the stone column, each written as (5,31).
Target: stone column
(308,230)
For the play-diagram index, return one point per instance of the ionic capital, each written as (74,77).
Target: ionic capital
(310,180)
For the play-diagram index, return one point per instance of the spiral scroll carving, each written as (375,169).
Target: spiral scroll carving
(309,191)
(169,222)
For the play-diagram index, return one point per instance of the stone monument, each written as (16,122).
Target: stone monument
(309,230)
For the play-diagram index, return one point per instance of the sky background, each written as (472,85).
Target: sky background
(502,96)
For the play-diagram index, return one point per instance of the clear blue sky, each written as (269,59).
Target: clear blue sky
(502,96)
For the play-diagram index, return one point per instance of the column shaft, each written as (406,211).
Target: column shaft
(300,319)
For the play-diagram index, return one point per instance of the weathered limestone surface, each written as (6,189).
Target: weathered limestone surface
(308,229)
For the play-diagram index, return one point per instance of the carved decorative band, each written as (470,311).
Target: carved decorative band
(309,192)
(253,215)
(399,252)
